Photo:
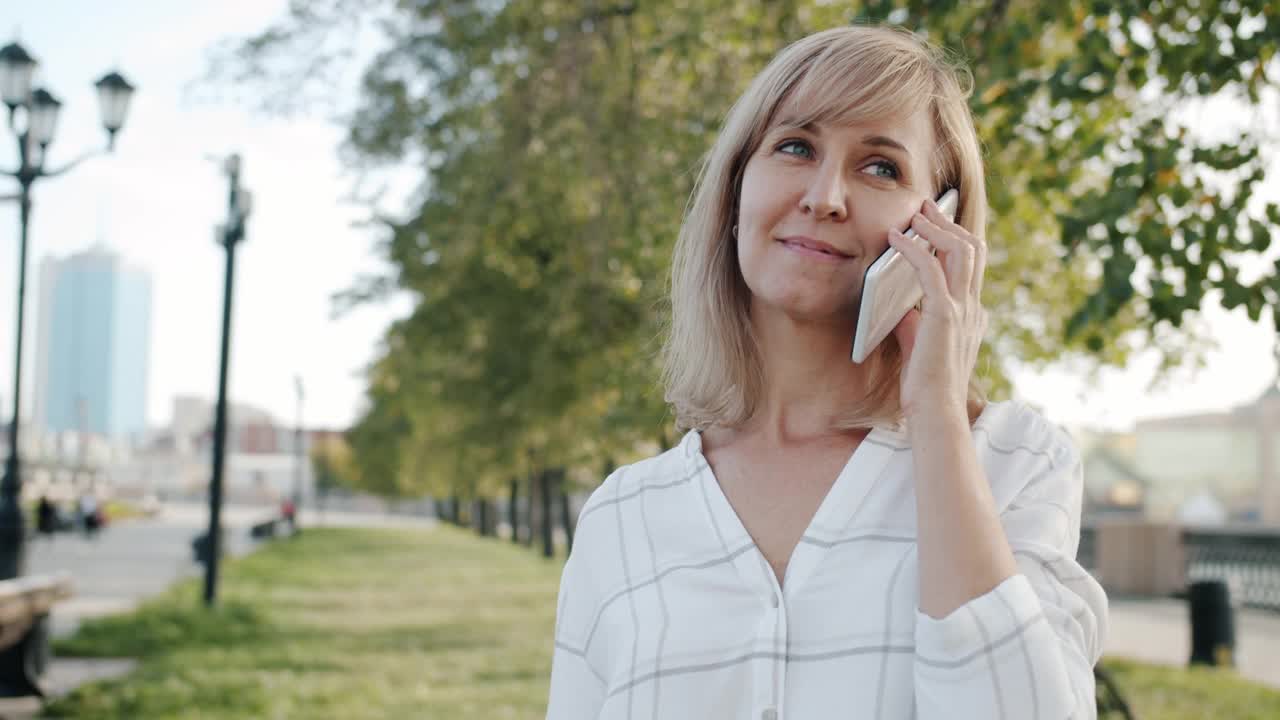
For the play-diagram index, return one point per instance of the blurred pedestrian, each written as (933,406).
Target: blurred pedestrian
(289,512)
(90,519)
(46,517)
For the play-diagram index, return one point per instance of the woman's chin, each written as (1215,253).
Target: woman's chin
(808,310)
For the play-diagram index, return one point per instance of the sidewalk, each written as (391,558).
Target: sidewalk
(130,561)
(1159,631)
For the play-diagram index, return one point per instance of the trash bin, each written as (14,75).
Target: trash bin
(200,547)
(1213,630)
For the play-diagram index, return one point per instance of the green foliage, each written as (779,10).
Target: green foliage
(558,142)
(331,464)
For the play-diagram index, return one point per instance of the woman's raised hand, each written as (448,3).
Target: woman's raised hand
(940,342)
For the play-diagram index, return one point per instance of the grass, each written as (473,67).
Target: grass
(1177,693)
(338,624)
(414,624)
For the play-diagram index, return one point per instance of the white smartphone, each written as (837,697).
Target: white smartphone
(890,288)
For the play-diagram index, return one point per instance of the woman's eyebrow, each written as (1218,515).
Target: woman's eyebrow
(882,141)
(815,129)
(791,123)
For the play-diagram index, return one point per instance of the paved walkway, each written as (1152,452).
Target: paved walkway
(130,561)
(314,518)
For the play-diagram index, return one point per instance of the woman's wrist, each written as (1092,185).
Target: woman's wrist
(937,418)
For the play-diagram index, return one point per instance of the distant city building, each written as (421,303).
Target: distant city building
(1225,460)
(263,464)
(93,345)
(1112,486)
(250,430)
(1189,468)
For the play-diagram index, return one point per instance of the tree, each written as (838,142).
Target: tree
(331,465)
(559,141)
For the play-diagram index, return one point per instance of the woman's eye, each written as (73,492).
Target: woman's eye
(802,146)
(890,170)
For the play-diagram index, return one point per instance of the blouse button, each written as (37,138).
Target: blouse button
(769,714)
(774,601)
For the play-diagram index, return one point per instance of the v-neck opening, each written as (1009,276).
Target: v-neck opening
(839,506)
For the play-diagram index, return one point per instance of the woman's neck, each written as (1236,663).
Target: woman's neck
(809,380)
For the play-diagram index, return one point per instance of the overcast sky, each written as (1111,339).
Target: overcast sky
(158,198)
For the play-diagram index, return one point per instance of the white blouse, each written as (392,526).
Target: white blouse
(668,610)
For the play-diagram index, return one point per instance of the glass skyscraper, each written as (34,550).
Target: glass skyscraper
(93,345)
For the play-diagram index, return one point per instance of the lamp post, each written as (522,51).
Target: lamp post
(239,205)
(39,114)
(299,449)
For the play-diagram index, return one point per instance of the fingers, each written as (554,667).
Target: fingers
(934,215)
(956,254)
(928,268)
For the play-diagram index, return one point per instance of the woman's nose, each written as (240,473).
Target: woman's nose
(825,198)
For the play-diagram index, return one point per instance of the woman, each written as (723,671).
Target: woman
(832,539)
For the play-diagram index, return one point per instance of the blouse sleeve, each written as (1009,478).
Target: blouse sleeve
(577,686)
(1027,648)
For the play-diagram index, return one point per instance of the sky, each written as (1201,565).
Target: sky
(157,199)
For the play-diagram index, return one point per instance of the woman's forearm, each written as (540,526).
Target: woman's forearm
(962,547)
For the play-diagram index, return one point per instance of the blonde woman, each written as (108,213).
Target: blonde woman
(833,539)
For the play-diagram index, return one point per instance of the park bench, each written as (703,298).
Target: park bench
(1111,703)
(266,529)
(277,526)
(25,603)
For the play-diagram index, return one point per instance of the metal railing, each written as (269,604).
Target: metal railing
(1087,554)
(1248,559)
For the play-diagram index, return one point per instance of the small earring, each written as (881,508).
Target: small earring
(735,231)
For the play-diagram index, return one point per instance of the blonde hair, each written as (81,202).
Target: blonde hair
(711,367)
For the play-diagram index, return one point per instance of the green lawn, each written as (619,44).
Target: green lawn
(1156,692)
(413,624)
(339,624)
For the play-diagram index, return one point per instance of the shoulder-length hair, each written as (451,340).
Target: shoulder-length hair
(711,364)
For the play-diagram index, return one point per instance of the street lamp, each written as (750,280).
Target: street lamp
(228,235)
(113,98)
(38,109)
(299,449)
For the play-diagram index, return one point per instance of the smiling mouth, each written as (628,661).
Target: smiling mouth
(815,252)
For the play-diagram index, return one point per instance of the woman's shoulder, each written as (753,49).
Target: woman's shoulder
(1014,423)
(1005,425)
(1022,450)
(645,504)
(667,470)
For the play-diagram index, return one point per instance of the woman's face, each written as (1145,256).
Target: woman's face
(841,187)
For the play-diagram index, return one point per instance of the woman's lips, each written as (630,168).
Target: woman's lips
(813,253)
